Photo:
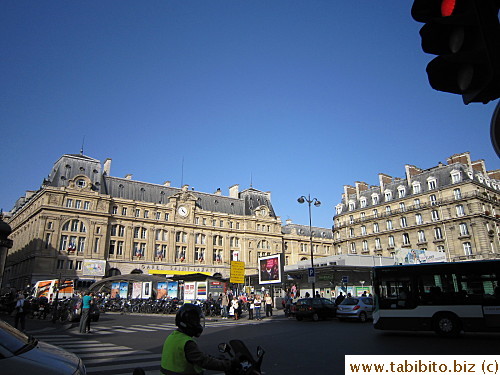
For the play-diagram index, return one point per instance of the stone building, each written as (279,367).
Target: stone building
(84,223)
(452,208)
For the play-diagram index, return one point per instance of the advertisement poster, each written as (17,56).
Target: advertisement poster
(162,290)
(172,289)
(123,289)
(361,289)
(189,291)
(345,290)
(136,290)
(202,290)
(146,289)
(270,269)
(417,256)
(93,267)
(115,290)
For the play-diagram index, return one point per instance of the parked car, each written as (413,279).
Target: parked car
(20,353)
(360,308)
(314,308)
(75,310)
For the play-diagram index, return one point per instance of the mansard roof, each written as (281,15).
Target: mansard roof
(70,166)
(303,230)
(441,173)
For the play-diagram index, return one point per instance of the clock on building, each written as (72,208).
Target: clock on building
(183,211)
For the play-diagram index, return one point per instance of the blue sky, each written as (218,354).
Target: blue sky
(296,96)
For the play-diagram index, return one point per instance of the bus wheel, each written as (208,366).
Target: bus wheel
(446,325)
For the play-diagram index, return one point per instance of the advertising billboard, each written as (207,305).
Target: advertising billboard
(417,256)
(162,290)
(93,267)
(172,289)
(270,269)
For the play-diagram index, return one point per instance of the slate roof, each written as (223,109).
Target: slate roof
(441,173)
(71,165)
(303,230)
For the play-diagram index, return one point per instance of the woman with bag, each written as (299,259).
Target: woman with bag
(235,306)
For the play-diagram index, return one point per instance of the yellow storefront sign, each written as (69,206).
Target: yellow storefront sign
(237,275)
(175,272)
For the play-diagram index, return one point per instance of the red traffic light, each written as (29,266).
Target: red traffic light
(447,7)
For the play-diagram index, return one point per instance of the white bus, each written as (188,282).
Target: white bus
(443,297)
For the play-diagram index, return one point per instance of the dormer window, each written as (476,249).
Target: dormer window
(401,191)
(417,189)
(362,202)
(456,176)
(81,183)
(431,183)
(375,199)
(352,206)
(388,195)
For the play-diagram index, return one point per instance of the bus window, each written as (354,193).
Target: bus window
(396,294)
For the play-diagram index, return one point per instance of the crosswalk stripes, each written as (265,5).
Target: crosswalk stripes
(152,327)
(101,357)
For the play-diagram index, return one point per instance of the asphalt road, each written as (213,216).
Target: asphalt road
(121,342)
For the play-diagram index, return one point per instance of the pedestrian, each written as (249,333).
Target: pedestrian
(339,299)
(87,301)
(236,308)
(269,305)
(257,303)
(288,304)
(250,306)
(317,295)
(20,312)
(181,354)
(225,306)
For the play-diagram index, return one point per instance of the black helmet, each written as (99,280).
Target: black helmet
(190,320)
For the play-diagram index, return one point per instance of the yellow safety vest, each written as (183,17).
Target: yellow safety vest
(173,357)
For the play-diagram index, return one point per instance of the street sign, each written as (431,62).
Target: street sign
(345,279)
(237,272)
(311,275)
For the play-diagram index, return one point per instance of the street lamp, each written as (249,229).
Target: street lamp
(317,203)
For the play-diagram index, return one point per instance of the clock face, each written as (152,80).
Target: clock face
(183,211)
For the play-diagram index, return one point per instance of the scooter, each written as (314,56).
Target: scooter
(248,365)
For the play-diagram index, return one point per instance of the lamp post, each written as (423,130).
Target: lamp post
(317,203)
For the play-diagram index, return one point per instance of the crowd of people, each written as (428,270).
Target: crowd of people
(234,306)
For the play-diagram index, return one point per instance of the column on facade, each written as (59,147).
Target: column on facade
(129,242)
(150,244)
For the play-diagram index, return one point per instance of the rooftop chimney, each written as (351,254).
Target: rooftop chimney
(107,166)
(384,179)
(234,191)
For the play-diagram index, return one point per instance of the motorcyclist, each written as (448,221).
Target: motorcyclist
(181,354)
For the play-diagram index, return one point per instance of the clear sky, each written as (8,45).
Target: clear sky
(296,97)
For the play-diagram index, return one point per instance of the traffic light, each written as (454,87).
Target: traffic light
(465,36)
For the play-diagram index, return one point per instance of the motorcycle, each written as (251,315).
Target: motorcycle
(248,364)
(235,349)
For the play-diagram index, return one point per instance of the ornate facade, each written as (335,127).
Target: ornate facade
(85,224)
(452,208)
